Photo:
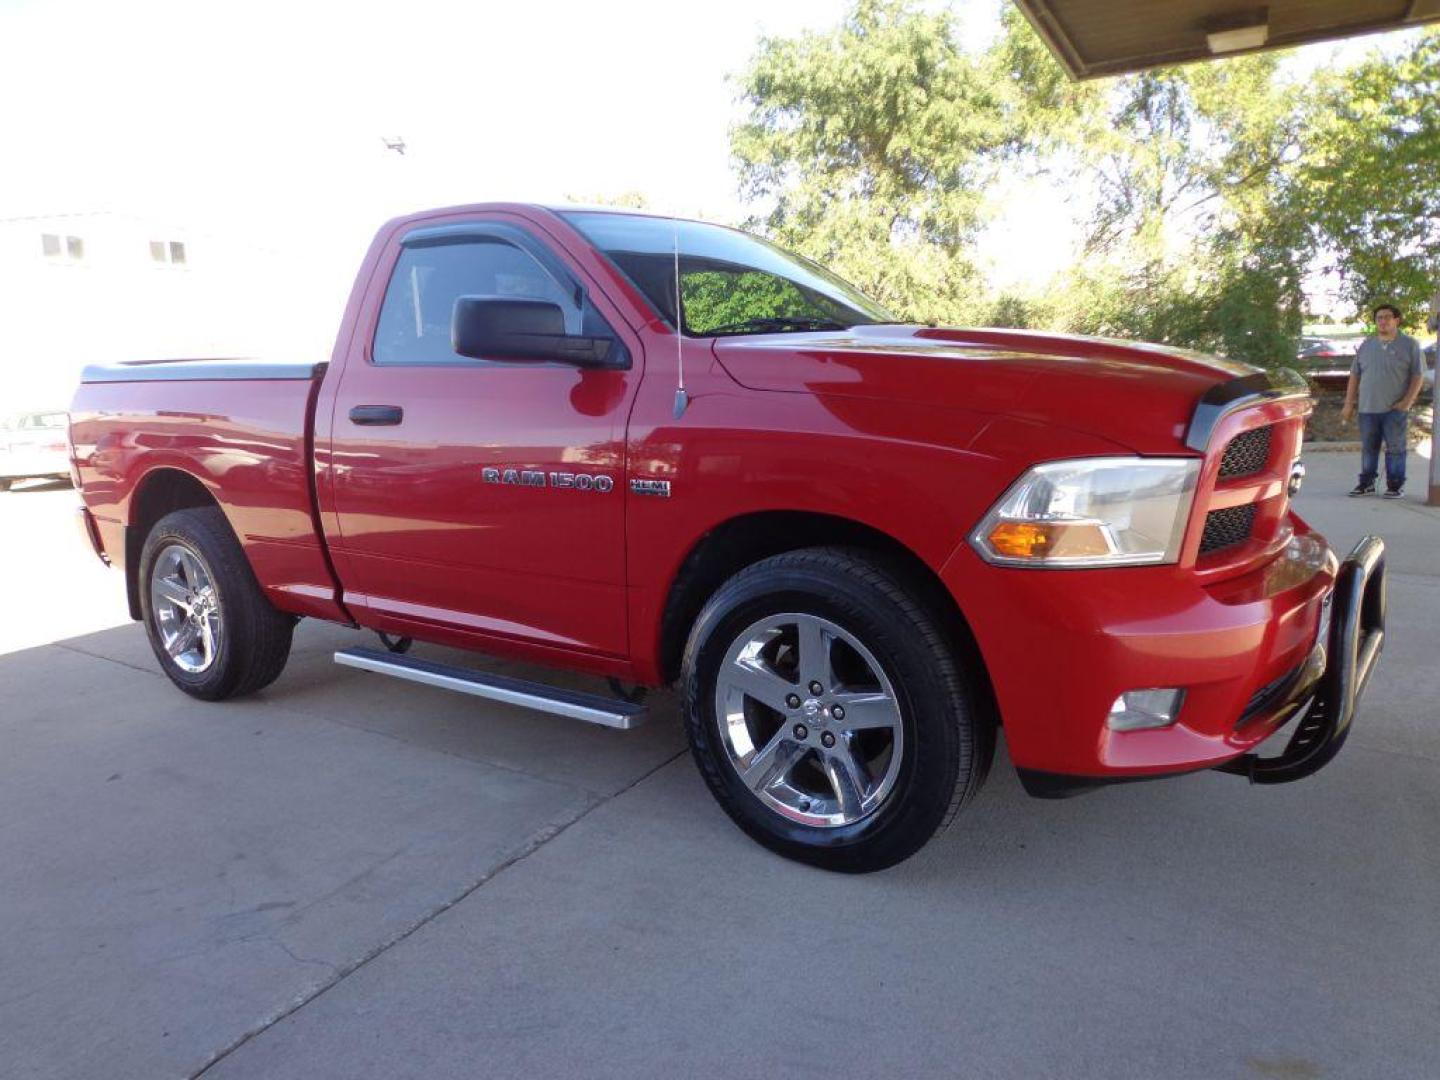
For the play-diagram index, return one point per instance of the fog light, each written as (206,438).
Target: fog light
(1135,710)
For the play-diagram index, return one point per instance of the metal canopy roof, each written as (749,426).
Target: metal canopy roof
(1111,37)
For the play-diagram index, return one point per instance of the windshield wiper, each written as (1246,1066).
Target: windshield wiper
(775,324)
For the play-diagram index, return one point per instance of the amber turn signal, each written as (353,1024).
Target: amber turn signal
(1048,539)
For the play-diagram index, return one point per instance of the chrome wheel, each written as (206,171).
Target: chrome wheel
(185,608)
(809,720)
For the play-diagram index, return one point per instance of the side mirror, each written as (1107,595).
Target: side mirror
(503,328)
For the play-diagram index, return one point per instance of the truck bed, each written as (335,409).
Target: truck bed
(243,428)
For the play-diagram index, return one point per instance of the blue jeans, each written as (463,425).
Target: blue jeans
(1388,427)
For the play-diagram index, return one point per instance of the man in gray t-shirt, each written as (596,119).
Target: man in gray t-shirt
(1385,379)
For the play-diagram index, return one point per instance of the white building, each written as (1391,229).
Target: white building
(99,287)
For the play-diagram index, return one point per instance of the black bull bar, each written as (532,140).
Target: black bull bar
(1334,677)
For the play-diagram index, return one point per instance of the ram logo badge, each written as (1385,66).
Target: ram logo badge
(539,478)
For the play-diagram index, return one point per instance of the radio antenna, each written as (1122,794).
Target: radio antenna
(682,399)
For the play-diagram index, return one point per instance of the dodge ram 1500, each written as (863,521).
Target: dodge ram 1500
(663,451)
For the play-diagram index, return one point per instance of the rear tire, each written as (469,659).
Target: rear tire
(854,789)
(211,628)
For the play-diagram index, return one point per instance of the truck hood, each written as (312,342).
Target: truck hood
(1141,397)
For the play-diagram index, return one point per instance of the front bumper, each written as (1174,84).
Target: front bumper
(1326,689)
(1346,662)
(1249,651)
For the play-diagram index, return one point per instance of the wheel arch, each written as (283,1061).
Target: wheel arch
(161,491)
(741,541)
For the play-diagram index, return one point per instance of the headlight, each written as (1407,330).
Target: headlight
(1123,511)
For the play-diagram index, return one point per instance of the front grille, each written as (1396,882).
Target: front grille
(1226,527)
(1247,454)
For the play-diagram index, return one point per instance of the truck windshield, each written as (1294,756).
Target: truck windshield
(730,282)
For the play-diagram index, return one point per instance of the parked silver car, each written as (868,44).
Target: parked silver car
(33,446)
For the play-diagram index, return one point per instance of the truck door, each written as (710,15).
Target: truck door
(484,497)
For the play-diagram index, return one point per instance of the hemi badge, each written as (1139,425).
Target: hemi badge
(650,487)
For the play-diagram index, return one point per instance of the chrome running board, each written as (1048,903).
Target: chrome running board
(576,704)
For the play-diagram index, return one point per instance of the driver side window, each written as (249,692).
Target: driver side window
(414,326)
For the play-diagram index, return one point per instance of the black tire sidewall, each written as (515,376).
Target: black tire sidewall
(935,720)
(189,529)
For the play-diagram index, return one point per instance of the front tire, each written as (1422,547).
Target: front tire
(828,711)
(210,626)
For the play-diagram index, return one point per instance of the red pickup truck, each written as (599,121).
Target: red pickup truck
(664,451)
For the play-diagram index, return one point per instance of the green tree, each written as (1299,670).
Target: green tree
(1216,188)
(1189,242)
(869,147)
(1369,185)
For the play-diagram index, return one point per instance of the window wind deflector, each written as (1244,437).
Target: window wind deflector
(460,232)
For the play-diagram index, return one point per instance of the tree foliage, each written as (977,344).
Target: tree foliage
(1369,185)
(1216,190)
(1190,241)
(868,147)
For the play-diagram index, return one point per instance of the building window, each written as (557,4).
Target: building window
(170,252)
(62,248)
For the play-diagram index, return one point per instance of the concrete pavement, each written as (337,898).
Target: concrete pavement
(350,877)
(51,587)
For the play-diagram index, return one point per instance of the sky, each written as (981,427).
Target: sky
(257,128)
(268,117)
(265,120)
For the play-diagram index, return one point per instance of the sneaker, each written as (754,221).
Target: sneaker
(1394,493)
(1362,489)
